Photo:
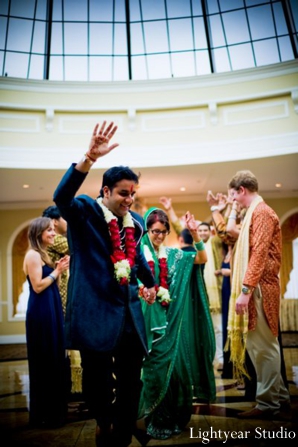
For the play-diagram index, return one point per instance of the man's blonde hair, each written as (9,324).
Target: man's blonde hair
(246,179)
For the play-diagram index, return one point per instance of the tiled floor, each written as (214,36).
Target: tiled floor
(217,423)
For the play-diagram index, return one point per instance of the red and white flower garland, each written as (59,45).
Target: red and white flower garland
(123,262)
(162,290)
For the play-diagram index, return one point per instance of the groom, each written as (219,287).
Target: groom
(104,319)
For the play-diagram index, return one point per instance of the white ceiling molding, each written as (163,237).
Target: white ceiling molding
(271,110)
(25,124)
(183,83)
(294,95)
(154,107)
(50,114)
(69,124)
(171,155)
(213,113)
(173,120)
(132,116)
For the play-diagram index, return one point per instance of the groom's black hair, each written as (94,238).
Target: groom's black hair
(52,212)
(115,175)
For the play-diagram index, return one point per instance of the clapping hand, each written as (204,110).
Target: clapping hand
(166,202)
(222,201)
(190,222)
(63,264)
(211,198)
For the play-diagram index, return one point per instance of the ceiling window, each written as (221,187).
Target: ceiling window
(118,40)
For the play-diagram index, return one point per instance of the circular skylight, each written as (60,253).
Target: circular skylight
(118,40)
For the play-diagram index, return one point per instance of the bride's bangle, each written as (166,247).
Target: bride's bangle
(199,246)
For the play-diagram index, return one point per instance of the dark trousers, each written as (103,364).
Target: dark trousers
(112,386)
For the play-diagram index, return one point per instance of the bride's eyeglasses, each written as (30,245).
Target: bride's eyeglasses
(158,232)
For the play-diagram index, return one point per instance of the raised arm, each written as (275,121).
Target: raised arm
(64,196)
(219,203)
(191,224)
(175,221)
(99,146)
(232,227)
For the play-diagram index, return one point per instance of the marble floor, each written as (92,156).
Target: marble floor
(210,424)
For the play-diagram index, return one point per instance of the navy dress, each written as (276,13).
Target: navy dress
(225,295)
(46,356)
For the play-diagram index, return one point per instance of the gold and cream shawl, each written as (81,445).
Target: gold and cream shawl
(238,324)
(213,290)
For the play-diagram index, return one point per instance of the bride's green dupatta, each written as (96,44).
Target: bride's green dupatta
(179,365)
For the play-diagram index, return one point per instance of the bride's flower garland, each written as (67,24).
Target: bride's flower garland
(162,291)
(123,263)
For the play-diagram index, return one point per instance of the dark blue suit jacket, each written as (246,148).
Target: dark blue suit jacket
(97,305)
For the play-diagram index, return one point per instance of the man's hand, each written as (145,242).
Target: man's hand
(191,223)
(236,207)
(99,144)
(242,304)
(149,295)
(211,199)
(230,200)
(222,201)
(166,202)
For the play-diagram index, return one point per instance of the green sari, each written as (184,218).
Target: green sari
(181,348)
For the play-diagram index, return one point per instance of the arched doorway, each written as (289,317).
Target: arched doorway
(289,274)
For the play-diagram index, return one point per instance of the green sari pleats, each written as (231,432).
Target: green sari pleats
(182,348)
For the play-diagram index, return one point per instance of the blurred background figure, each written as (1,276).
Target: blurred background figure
(56,251)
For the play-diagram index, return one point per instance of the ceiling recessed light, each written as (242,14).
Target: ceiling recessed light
(278,185)
(25,186)
(182,188)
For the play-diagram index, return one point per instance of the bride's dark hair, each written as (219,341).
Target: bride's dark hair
(158,215)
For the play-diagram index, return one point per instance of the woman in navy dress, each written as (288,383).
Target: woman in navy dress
(225,272)
(44,329)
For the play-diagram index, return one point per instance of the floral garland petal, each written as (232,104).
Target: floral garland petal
(123,261)
(162,290)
